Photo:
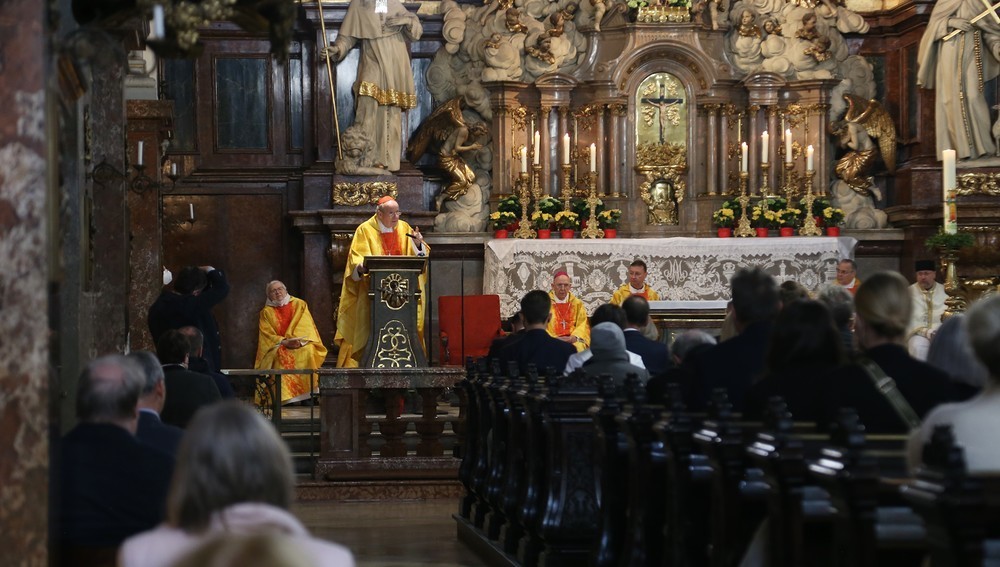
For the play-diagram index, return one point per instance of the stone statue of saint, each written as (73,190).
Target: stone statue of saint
(957,68)
(384,86)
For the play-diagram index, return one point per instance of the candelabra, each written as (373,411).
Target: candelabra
(567,185)
(791,188)
(593,229)
(954,303)
(522,187)
(743,227)
(105,173)
(536,185)
(809,227)
(765,189)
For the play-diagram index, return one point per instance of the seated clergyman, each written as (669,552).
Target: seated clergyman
(288,339)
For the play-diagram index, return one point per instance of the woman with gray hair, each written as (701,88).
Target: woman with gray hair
(234,475)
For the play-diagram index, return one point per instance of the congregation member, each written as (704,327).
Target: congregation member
(514,328)
(890,390)
(928,307)
(847,275)
(686,347)
(234,476)
(951,351)
(974,423)
(610,357)
(384,234)
(287,338)
(196,291)
(636,285)
(805,346)
(536,345)
(109,485)
(734,364)
(151,430)
(655,355)
(197,362)
(606,313)
(840,302)
(791,290)
(187,391)
(569,317)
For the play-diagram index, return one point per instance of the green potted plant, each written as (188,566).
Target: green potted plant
(542,222)
(501,221)
(763,219)
(832,217)
(724,219)
(943,240)
(567,222)
(579,206)
(819,203)
(549,205)
(789,220)
(609,220)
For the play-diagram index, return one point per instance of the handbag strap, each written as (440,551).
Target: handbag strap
(887,387)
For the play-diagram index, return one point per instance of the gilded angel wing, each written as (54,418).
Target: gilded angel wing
(878,124)
(435,127)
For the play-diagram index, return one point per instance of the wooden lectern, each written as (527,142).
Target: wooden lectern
(394,340)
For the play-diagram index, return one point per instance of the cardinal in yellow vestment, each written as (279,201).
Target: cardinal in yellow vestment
(382,235)
(287,338)
(569,317)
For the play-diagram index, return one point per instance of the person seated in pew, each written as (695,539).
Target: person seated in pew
(804,347)
(686,346)
(187,391)
(951,351)
(287,338)
(610,356)
(655,355)
(197,362)
(603,314)
(790,291)
(733,364)
(514,329)
(569,317)
(974,423)
(885,406)
(840,302)
(537,345)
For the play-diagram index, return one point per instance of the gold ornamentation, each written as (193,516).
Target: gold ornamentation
(395,291)
(360,194)
(403,100)
(979,184)
(662,191)
(661,155)
(662,14)
(618,108)
(586,116)
(519,117)
(593,229)
(393,349)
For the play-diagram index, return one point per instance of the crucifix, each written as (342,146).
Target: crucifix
(663,103)
(991,10)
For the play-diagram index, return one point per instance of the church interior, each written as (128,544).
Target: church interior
(522,140)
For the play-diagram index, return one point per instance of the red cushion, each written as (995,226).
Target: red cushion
(472,330)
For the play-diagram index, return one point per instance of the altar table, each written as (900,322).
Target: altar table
(688,270)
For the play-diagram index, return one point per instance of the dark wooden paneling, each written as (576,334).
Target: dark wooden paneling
(241,234)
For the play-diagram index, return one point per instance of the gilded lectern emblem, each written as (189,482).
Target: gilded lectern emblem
(394,349)
(394,290)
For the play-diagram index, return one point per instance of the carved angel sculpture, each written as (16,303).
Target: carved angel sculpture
(446,129)
(863,121)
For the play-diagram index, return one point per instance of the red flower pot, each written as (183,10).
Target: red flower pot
(819,221)
(725,232)
(787,231)
(566,233)
(833,231)
(611,233)
(500,233)
(544,233)
(761,232)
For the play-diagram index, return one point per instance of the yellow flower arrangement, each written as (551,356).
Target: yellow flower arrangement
(725,217)
(609,218)
(541,220)
(833,216)
(502,219)
(567,220)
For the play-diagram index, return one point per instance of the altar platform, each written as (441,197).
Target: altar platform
(693,272)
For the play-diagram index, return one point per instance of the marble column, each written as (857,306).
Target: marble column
(603,165)
(545,143)
(712,149)
(616,152)
(25,251)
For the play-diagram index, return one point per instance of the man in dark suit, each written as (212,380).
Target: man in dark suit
(196,291)
(186,391)
(536,345)
(515,332)
(655,355)
(110,485)
(196,363)
(733,364)
(152,431)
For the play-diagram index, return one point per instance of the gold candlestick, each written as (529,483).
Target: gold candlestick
(592,230)
(536,184)
(765,190)
(523,188)
(955,302)
(743,227)
(567,185)
(791,189)
(809,227)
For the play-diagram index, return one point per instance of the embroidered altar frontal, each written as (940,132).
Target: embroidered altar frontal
(681,269)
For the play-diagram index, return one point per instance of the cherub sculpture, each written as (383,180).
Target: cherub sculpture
(600,7)
(855,191)
(542,49)
(447,129)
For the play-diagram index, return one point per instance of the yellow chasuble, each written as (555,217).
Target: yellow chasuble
(569,318)
(291,321)
(622,293)
(354,314)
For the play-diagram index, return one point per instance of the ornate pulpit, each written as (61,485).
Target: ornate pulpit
(394,341)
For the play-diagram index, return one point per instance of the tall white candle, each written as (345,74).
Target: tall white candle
(743,162)
(949,176)
(159,29)
(173,169)
(809,158)
(524,159)
(139,160)
(764,139)
(593,157)
(191,210)
(566,148)
(788,145)
(538,148)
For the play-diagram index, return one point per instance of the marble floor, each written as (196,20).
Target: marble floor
(391,533)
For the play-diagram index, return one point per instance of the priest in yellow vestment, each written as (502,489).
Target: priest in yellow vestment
(569,317)
(287,339)
(636,285)
(382,235)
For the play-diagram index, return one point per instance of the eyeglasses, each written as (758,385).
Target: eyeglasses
(393,213)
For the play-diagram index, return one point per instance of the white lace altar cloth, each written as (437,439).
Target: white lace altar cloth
(684,269)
